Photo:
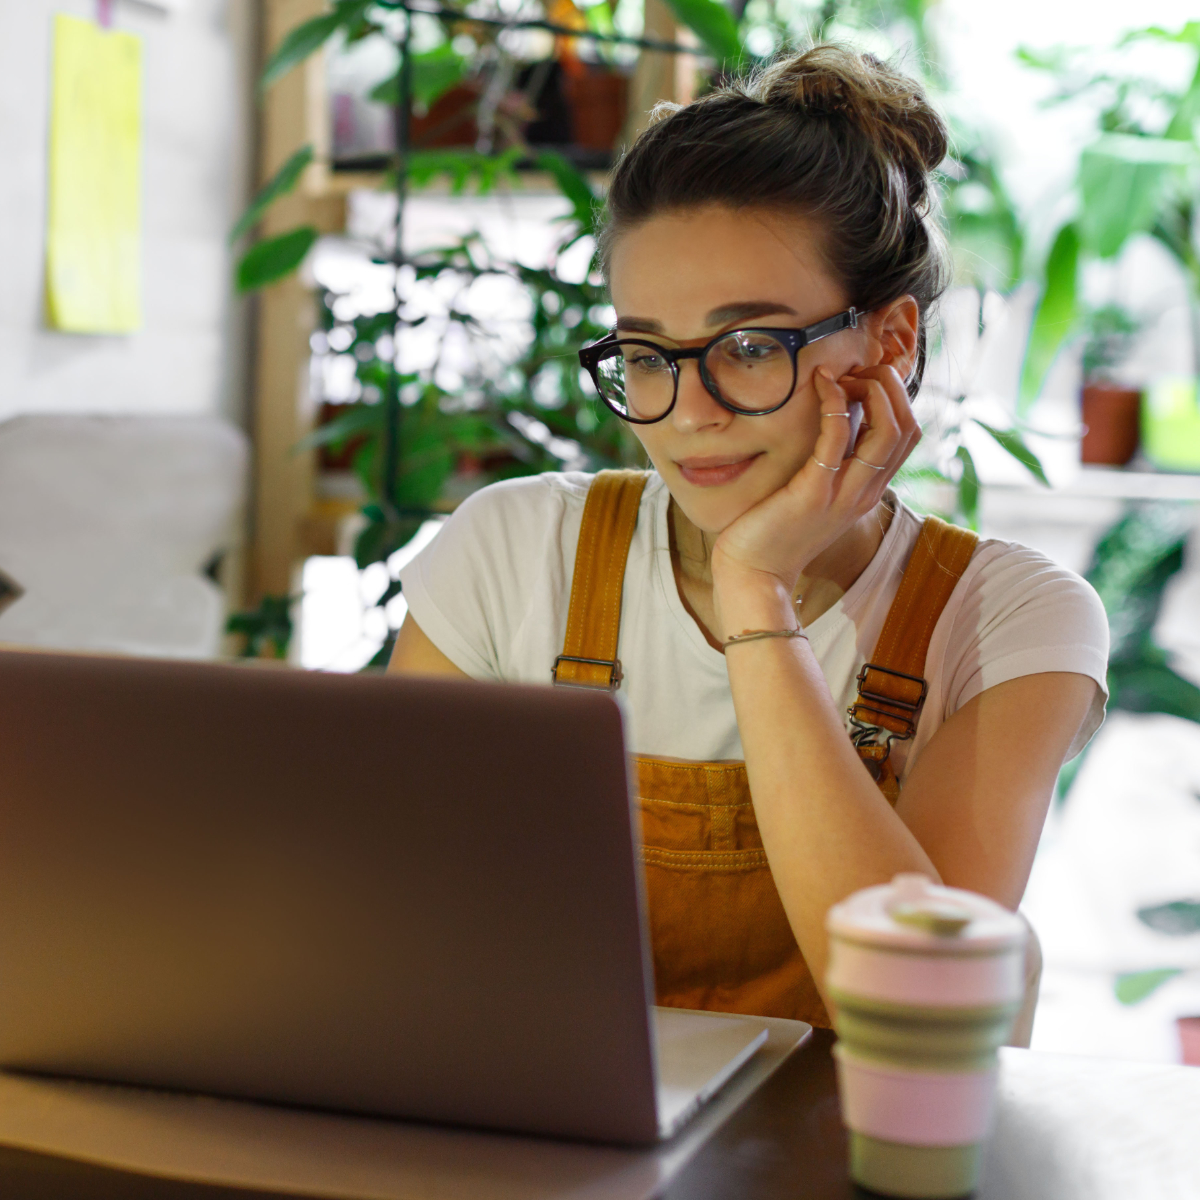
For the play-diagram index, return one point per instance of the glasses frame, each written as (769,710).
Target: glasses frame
(793,339)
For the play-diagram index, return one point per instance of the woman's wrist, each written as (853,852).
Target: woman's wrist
(752,600)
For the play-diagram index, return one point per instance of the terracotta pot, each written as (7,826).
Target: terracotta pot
(1110,415)
(599,102)
(341,459)
(450,120)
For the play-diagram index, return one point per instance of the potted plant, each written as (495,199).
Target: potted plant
(1139,176)
(1110,410)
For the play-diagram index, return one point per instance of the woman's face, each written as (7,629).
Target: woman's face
(684,277)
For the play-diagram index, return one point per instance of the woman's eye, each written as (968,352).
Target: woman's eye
(645,361)
(748,349)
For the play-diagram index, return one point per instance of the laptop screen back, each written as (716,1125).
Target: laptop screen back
(393,896)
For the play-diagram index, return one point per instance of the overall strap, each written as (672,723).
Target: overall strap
(589,657)
(892,687)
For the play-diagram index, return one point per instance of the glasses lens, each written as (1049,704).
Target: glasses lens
(752,371)
(636,381)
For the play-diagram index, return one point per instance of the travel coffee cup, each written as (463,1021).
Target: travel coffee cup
(927,982)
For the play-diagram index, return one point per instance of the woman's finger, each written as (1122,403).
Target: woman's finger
(878,453)
(901,431)
(878,445)
(834,438)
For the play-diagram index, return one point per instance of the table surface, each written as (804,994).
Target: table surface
(1067,1129)
(760,1151)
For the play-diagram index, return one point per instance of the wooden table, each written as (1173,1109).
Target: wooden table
(1067,1129)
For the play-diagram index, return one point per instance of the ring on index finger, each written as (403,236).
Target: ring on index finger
(845,414)
(826,466)
(867,464)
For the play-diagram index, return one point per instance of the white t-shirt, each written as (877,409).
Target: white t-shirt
(492,590)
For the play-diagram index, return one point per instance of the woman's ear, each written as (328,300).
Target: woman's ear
(898,332)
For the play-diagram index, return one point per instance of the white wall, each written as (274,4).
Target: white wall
(198,104)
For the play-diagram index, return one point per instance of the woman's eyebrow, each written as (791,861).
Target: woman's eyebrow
(745,310)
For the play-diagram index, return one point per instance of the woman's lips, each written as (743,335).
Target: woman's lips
(712,472)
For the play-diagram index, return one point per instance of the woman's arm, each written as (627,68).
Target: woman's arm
(415,654)
(977,796)
(970,813)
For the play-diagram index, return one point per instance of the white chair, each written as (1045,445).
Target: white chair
(107,524)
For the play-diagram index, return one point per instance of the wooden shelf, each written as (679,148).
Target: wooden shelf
(322,182)
(290,516)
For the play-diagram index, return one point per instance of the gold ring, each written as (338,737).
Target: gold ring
(826,466)
(867,464)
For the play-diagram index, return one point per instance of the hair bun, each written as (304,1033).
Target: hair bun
(888,108)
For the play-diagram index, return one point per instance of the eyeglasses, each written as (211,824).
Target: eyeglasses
(751,372)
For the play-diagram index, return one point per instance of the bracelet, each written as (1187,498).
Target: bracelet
(754,635)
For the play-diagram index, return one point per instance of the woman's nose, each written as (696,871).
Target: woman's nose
(695,408)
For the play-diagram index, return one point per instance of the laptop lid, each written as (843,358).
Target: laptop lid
(395,896)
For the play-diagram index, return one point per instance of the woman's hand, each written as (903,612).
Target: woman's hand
(767,548)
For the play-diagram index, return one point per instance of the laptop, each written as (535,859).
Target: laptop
(412,898)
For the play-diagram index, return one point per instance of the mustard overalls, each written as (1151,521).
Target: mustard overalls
(720,937)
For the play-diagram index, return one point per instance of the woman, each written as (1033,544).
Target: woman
(772,261)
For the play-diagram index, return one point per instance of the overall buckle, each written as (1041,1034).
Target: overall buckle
(613,665)
(901,709)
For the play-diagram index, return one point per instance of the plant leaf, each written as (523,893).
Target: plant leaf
(714,25)
(574,187)
(433,73)
(1014,443)
(1184,121)
(297,45)
(1121,179)
(1131,566)
(279,185)
(462,166)
(1188,35)
(968,486)
(267,626)
(357,419)
(1180,918)
(1055,316)
(272,259)
(1137,985)
(310,36)
(1143,685)
(382,537)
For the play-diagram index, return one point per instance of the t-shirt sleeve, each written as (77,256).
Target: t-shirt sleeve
(1023,614)
(469,588)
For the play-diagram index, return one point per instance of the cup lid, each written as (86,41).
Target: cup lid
(913,912)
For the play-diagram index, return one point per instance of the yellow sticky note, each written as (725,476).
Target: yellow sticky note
(94,229)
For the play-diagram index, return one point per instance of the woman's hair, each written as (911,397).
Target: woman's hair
(837,136)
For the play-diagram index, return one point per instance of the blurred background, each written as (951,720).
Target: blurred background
(286,280)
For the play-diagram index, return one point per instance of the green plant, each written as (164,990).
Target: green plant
(1135,986)
(1108,334)
(1179,918)
(413,436)
(1131,566)
(1138,176)
(266,630)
